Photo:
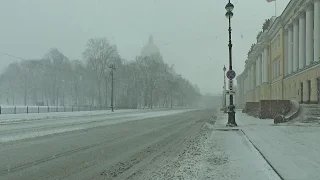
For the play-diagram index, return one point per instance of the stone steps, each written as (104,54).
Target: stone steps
(311,113)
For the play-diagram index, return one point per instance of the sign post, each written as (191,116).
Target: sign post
(230,84)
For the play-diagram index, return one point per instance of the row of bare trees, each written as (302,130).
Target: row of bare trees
(56,80)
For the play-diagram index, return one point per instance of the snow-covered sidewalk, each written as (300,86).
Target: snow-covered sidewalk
(225,154)
(235,156)
(292,150)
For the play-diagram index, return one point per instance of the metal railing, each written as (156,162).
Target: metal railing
(47,109)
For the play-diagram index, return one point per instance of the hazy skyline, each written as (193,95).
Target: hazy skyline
(190,34)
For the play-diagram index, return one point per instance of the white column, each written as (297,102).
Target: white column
(252,76)
(316,30)
(249,77)
(257,72)
(245,87)
(265,65)
(302,39)
(260,69)
(244,83)
(253,95)
(309,35)
(290,49)
(285,45)
(295,45)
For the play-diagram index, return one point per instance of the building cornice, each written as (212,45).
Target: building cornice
(288,24)
(293,9)
(290,9)
(251,56)
(275,27)
(259,47)
(262,36)
(249,63)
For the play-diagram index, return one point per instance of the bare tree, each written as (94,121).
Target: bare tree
(99,53)
(57,61)
(55,80)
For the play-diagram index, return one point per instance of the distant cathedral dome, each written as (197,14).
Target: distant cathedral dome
(150,49)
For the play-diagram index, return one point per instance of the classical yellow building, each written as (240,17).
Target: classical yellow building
(284,62)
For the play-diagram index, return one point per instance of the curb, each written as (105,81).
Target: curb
(262,155)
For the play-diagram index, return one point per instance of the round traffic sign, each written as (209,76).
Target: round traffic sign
(231,74)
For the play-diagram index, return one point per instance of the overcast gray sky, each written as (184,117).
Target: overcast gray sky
(191,34)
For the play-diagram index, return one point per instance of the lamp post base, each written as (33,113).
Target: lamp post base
(231,117)
(225,110)
(231,125)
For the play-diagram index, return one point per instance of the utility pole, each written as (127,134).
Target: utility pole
(171,89)
(171,99)
(112,67)
(106,92)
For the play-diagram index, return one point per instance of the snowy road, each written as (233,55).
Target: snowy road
(25,128)
(95,147)
(136,145)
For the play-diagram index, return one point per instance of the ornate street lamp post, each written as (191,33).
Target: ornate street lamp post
(231,113)
(224,90)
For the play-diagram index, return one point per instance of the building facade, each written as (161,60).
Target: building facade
(284,62)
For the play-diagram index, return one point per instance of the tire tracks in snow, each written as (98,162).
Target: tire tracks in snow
(106,142)
(82,165)
(160,159)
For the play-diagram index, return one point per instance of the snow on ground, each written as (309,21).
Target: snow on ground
(21,136)
(11,118)
(5,118)
(74,122)
(292,150)
(225,155)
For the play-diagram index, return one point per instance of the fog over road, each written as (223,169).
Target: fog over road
(115,146)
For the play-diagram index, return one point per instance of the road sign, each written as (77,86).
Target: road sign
(231,74)
(230,84)
(229,92)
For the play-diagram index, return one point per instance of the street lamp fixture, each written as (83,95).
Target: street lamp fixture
(229,14)
(229,7)
(231,112)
